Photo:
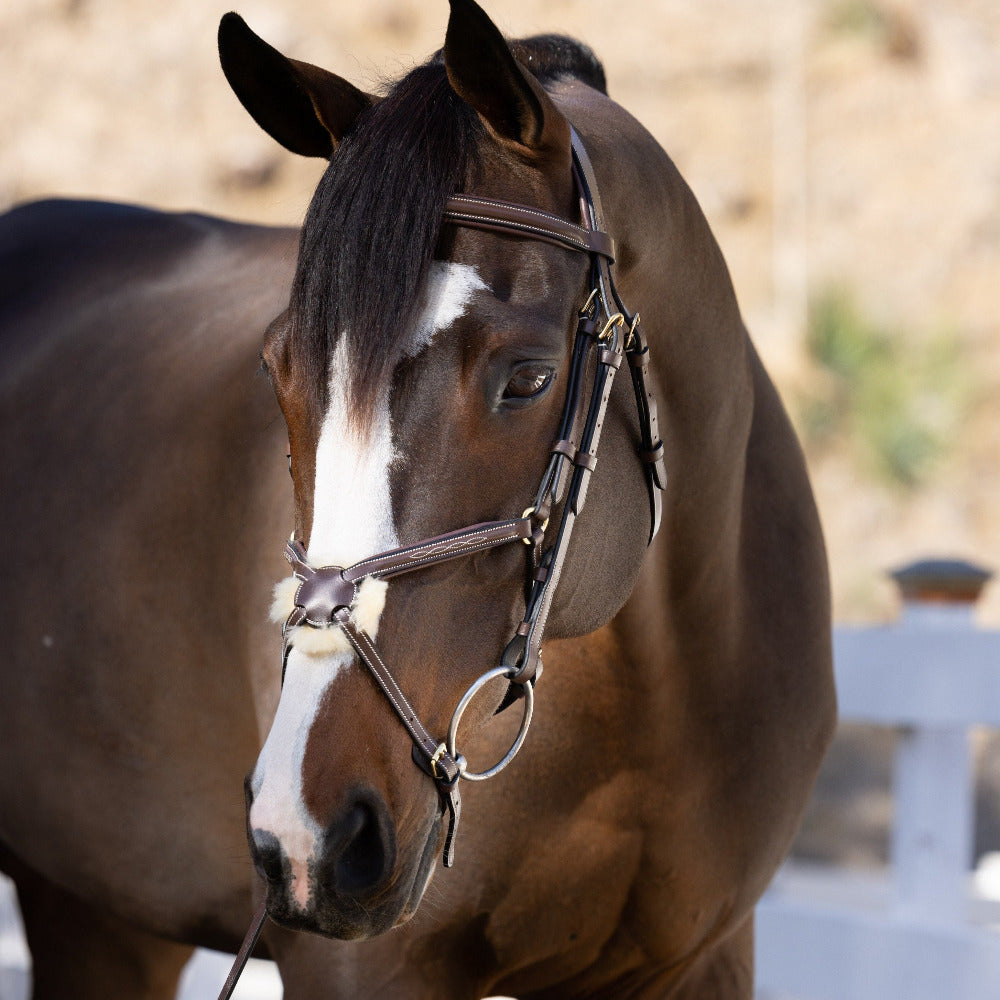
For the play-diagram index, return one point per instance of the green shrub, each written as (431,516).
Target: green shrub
(895,401)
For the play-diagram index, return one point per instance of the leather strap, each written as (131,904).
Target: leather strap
(636,348)
(432,757)
(523,653)
(506,216)
(246,949)
(370,656)
(652,451)
(441,548)
(590,238)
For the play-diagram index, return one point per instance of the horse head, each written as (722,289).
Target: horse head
(424,368)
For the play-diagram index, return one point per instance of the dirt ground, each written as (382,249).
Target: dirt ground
(834,144)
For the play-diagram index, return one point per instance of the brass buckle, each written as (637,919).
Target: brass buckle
(604,337)
(585,311)
(631,332)
(437,755)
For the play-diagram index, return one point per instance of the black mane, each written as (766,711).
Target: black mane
(375,219)
(550,57)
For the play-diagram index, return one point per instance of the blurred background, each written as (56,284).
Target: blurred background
(846,153)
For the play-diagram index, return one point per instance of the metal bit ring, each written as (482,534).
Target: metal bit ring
(529,704)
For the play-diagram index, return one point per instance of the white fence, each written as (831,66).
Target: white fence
(929,930)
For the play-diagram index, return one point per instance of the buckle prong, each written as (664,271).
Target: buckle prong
(585,311)
(436,757)
(630,339)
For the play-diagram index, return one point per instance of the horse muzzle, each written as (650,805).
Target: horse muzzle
(357,882)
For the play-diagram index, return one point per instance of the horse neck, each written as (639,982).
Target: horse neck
(701,356)
(704,379)
(671,269)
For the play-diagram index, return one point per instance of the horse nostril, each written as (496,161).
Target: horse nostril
(360,850)
(268,857)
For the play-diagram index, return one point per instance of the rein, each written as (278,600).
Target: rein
(607,334)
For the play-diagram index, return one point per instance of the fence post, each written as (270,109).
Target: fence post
(934,780)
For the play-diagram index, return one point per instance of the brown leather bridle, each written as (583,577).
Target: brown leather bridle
(607,333)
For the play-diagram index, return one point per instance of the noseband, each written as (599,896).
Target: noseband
(607,333)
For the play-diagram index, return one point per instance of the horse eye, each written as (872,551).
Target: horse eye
(528,381)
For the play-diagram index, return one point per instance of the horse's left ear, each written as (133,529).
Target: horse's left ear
(305,108)
(483,72)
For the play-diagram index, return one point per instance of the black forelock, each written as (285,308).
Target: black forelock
(375,219)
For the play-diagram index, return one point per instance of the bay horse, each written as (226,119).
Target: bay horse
(469,279)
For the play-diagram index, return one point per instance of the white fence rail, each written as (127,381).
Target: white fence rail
(926,932)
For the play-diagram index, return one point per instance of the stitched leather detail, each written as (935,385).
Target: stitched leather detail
(441,548)
(323,593)
(505,216)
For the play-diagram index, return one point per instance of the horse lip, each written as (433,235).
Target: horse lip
(424,872)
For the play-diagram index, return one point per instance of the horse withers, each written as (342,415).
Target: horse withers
(500,276)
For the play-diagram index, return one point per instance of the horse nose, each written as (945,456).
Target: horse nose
(267,855)
(360,848)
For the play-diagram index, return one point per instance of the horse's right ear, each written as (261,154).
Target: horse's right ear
(482,70)
(305,108)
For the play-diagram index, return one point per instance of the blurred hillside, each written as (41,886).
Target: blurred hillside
(846,152)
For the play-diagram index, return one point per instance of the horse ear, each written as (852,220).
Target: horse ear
(305,108)
(484,73)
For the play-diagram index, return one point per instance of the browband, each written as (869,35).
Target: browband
(505,216)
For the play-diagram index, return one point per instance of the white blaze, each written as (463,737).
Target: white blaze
(352,519)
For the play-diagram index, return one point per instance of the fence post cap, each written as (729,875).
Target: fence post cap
(948,581)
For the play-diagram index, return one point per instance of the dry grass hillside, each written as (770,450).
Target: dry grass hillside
(847,153)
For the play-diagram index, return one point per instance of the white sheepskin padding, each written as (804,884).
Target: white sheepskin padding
(319,641)
(370,604)
(284,598)
(367,611)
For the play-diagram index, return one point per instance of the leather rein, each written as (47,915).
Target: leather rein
(607,334)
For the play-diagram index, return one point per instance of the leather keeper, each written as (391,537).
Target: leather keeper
(613,359)
(585,461)
(565,448)
(541,574)
(640,359)
(529,671)
(601,243)
(654,455)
